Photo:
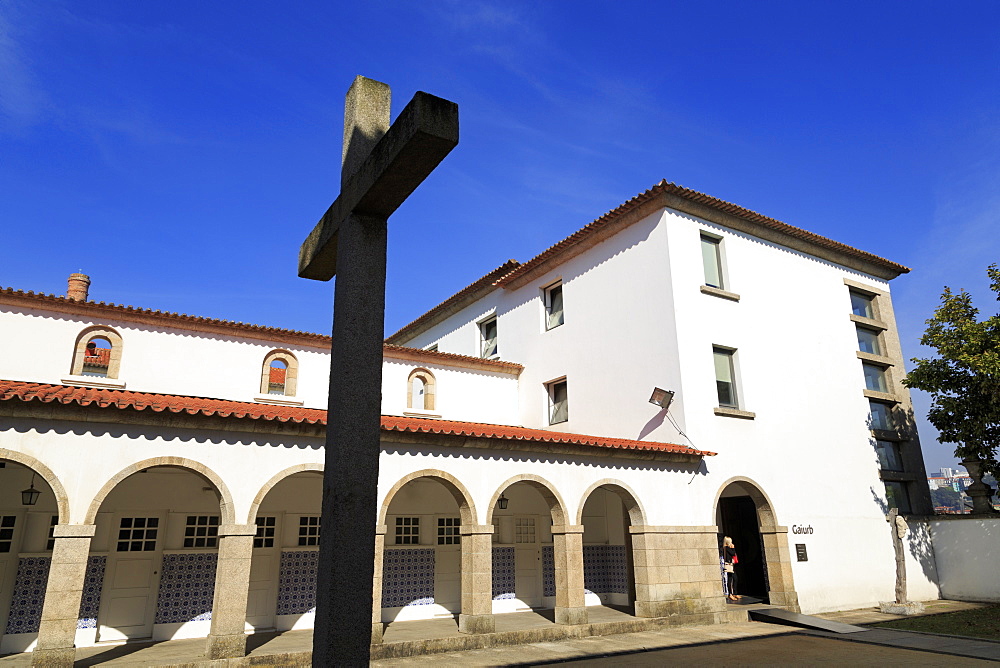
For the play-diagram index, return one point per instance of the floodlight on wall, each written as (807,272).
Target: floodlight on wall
(502,502)
(29,497)
(661,398)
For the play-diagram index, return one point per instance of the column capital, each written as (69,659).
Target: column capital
(237,529)
(475,529)
(381,529)
(74,530)
(567,528)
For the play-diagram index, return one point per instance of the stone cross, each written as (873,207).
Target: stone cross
(381,166)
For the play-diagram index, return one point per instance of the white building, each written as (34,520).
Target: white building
(179,457)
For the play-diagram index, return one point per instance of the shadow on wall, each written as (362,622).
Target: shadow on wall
(918,540)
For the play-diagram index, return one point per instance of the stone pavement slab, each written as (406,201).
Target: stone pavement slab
(927,642)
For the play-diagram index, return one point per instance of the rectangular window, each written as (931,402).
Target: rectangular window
(524,529)
(407,531)
(888,456)
(51,542)
(201,531)
(554,306)
(433,348)
(488,338)
(7,532)
(862,305)
(448,530)
(896,495)
(875,377)
(881,415)
(868,341)
(265,532)
(725,378)
(137,534)
(711,257)
(309,530)
(558,402)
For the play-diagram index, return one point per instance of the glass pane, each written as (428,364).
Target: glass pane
(861,305)
(881,416)
(868,341)
(555,307)
(888,456)
(724,385)
(710,258)
(875,378)
(895,494)
(560,403)
(489,334)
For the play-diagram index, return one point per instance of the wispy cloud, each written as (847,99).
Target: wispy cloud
(23,102)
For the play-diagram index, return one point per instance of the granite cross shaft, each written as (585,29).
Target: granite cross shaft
(382,165)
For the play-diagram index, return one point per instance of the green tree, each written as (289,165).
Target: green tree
(963,380)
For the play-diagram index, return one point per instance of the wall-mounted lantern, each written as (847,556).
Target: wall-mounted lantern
(502,502)
(29,497)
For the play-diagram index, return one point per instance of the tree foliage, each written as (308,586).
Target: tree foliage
(963,379)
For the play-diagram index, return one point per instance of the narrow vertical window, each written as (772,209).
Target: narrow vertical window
(888,456)
(875,377)
(279,374)
(50,543)
(558,402)
(488,337)
(711,257)
(98,353)
(554,306)
(862,305)
(881,415)
(897,496)
(7,523)
(421,390)
(868,341)
(725,382)
(97,357)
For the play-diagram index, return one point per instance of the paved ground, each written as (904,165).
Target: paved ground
(750,643)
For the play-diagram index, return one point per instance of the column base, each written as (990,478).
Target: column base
(227,647)
(571,616)
(61,657)
(476,624)
(376,633)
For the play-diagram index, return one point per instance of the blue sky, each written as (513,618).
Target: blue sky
(180,152)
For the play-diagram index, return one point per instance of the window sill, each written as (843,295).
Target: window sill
(724,411)
(277,399)
(888,435)
(94,381)
(897,476)
(717,292)
(886,397)
(423,414)
(869,322)
(881,360)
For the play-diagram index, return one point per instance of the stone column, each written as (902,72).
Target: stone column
(477,579)
(567,552)
(677,573)
(380,531)
(61,609)
(227,638)
(777,556)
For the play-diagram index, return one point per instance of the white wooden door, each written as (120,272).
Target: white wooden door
(128,604)
(527,562)
(11,531)
(262,599)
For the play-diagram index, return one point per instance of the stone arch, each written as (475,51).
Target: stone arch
(50,478)
(765,509)
(275,479)
(80,349)
(226,507)
(291,372)
(467,508)
(548,491)
(636,513)
(430,389)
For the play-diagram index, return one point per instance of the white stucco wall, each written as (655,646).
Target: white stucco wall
(966,553)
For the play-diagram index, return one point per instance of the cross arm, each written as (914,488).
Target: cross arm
(423,134)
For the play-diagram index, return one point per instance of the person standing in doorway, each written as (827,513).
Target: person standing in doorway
(729,559)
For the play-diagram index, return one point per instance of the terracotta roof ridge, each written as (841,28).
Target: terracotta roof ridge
(437,354)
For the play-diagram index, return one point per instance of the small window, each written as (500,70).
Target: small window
(448,530)
(50,543)
(881,415)
(711,257)
(725,377)
(279,374)
(524,529)
(554,306)
(137,534)
(433,348)
(201,531)
(309,526)
(897,496)
(96,357)
(862,305)
(276,377)
(558,402)
(7,523)
(868,341)
(488,338)
(420,391)
(265,531)
(407,531)
(888,456)
(875,377)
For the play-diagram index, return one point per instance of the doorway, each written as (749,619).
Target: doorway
(738,520)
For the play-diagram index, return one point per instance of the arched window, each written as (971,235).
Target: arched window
(98,353)
(279,373)
(420,390)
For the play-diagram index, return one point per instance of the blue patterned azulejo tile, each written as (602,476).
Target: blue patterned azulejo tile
(90,601)
(297,582)
(187,586)
(28,595)
(407,578)
(503,573)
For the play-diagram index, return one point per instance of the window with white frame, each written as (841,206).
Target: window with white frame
(725,377)
(7,523)
(407,531)
(309,527)
(554,306)
(448,530)
(137,534)
(265,531)
(201,531)
(488,338)
(711,257)
(524,530)
(558,401)
(50,542)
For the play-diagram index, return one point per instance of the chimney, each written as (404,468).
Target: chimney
(79,286)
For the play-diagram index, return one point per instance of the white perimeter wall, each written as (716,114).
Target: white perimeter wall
(966,551)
